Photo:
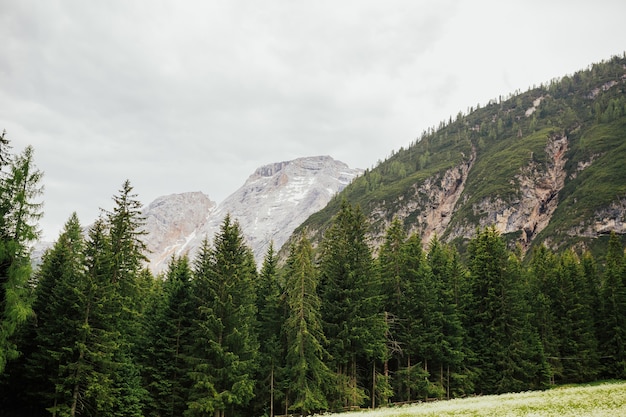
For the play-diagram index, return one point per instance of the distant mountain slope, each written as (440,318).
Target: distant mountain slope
(547,165)
(171,223)
(274,200)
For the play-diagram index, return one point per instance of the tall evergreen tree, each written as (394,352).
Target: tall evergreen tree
(225,350)
(19,213)
(73,363)
(418,332)
(543,278)
(270,318)
(309,377)
(394,285)
(508,352)
(613,328)
(352,309)
(575,331)
(449,280)
(126,258)
(59,307)
(168,327)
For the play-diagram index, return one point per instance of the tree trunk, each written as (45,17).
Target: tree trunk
(373,385)
(272,392)
(408,377)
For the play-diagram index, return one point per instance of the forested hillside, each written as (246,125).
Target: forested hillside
(379,301)
(543,166)
(337,331)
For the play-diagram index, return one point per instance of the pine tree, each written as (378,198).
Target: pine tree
(575,331)
(449,281)
(309,377)
(126,257)
(58,306)
(394,285)
(270,318)
(543,273)
(613,328)
(19,213)
(93,388)
(418,332)
(352,309)
(168,327)
(224,354)
(507,349)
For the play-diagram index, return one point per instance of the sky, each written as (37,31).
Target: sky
(180,96)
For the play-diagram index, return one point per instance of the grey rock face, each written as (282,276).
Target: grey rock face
(274,200)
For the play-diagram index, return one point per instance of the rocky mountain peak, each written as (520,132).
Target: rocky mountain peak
(269,206)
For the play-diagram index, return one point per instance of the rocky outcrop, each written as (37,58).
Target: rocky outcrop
(171,222)
(605,221)
(537,199)
(274,200)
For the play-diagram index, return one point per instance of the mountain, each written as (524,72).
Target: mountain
(543,166)
(273,201)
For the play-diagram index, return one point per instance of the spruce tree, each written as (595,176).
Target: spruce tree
(450,286)
(309,377)
(352,309)
(126,260)
(19,213)
(59,307)
(168,341)
(394,284)
(613,328)
(576,334)
(412,375)
(543,278)
(507,349)
(224,352)
(270,317)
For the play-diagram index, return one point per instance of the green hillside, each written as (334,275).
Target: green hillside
(572,129)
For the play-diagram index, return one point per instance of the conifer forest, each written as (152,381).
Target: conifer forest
(336,326)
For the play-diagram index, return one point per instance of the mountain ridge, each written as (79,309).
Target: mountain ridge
(273,201)
(544,166)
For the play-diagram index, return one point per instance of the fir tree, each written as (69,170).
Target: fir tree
(450,284)
(394,284)
(508,352)
(59,307)
(543,273)
(224,354)
(270,318)
(309,377)
(126,258)
(576,334)
(352,310)
(168,340)
(613,328)
(19,213)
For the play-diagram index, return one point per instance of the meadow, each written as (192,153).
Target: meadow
(599,400)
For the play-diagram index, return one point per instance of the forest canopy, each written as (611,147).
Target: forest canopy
(92,332)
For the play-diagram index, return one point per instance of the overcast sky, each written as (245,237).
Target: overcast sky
(181,96)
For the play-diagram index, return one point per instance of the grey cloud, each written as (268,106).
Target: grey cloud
(186,96)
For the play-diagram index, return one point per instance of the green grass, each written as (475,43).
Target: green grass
(603,400)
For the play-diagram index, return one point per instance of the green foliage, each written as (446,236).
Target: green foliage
(309,376)
(612,335)
(164,357)
(498,142)
(223,356)
(339,330)
(352,310)
(19,213)
(507,352)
